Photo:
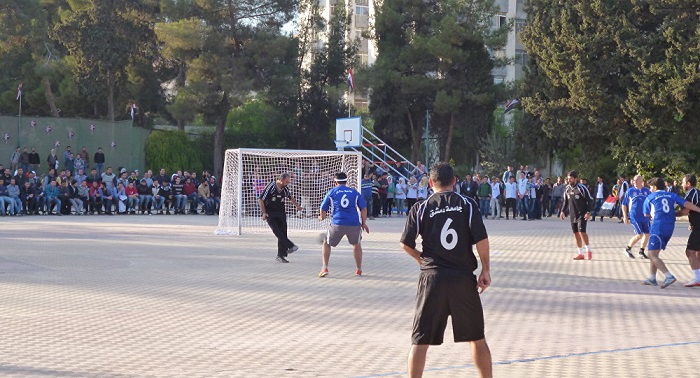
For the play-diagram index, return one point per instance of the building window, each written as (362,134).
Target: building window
(521,57)
(364,58)
(520,25)
(362,2)
(502,21)
(361,10)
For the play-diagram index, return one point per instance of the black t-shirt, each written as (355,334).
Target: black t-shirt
(274,198)
(694,197)
(578,200)
(449,225)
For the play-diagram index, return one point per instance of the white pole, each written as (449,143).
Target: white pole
(239,198)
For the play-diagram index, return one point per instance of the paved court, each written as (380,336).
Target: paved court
(162,296)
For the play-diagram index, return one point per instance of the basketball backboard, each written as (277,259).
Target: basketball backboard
(348,132)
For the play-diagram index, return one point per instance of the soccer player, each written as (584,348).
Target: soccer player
(579,202)
(449,225)
(632,212)
(693,248)
(349,219)
(271,203)
(660,206)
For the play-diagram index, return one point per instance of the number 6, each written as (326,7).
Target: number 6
(447,231)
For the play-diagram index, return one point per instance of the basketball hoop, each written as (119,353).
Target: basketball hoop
(339,143)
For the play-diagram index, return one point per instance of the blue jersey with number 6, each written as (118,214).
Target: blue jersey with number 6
(346,203)
(660,206)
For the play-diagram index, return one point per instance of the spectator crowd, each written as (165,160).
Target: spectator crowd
(71,185)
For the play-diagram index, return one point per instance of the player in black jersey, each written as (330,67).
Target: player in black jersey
(579,202)
(693,248)
(273,211)
(449,225)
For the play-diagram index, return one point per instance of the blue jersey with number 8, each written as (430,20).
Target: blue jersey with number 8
(346,203)
(660,205)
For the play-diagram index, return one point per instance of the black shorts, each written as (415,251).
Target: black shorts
(578,224)
(443,293)
(694,240)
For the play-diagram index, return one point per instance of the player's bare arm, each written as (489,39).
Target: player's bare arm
(689,206)
(412,252)
(262,209)
(322,216)
(484,280)
(625,215)
(294,202)
(363,217)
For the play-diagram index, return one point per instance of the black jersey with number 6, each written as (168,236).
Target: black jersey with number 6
(449,225)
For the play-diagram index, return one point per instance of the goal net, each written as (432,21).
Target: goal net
(248,171)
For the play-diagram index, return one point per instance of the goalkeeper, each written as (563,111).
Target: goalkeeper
(349,219)
(271,202)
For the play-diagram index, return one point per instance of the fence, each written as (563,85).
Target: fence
(123,144)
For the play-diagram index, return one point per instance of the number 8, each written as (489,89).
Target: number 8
(664,203)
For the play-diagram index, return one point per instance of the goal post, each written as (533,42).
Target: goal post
(247,171)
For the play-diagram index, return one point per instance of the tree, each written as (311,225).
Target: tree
(103,37)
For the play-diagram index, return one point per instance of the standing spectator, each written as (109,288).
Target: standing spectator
(375,197)
(390,195)
(383,192)
(511,196)
(495,197)
(67,156)
(85,156)
(419,171)
(533,202)
(400,195)
(34,160)
(70,163)
(49,176)
(52,160)
(401,171)
(14,159)
(24,160)
(411,193)
(484,197)
(470,188)
(109,180)
(423,187)
(523,195)
(601,193)
(546,197)
(368,168)
(78,164)
(99,160)
(507,174)
(557,195)
(367,185)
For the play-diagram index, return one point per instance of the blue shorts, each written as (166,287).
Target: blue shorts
(658,240)
(640,226)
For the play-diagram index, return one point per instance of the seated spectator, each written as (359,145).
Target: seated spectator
(145,197)
(13,192)
(179,195)
(28,196)
(84,196)
(95,194)
(75,200)
(40,195)
(132,197)
(190,191)
(20,177)
(52,194)
(162,177)
(120,198)
(215,191)
(80,177)
(5,200)
(107,198)
(203,196)
(64,195)
(93,177)
(167,194)
(158,200)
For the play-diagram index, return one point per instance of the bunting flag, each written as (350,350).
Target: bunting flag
(351,80)
(56,144)
(32,124)
(48,129)
(19,90)
(71,134)
(113,144)
(6,137)
(511,105)
(92,129)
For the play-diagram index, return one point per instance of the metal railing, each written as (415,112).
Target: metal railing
(371,155)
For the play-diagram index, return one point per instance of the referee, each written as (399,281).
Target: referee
(271,202)
(579,202)
(449,225)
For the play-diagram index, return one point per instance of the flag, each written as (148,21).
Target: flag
(511,105)
(134,109)
(19,90)
(351,80)
(607,209)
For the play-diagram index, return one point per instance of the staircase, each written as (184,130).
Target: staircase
(374,149)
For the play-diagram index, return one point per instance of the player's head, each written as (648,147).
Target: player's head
(689,181)
(572,177)
(340,178)
(657,183)
(284,178)
(442,176)
(638,181)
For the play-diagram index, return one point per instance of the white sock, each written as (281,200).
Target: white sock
(588,249)
(669,275)
(696,272)
(652,277)
(580,251)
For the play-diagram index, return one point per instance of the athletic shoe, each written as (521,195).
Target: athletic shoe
(358,272)
(627,253)
(281,259)
(579,257)
(692,283)
(643,255)
(650,282)
(668,281)
(324,272)
(590,255)
(293,249)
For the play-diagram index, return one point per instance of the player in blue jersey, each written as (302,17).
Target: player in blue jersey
(659,205)
(349,216)
(632,211)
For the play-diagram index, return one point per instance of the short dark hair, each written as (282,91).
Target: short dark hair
(658,182)
(442,174)
(340,177)
(573,174)
(691,179)
(284,175)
